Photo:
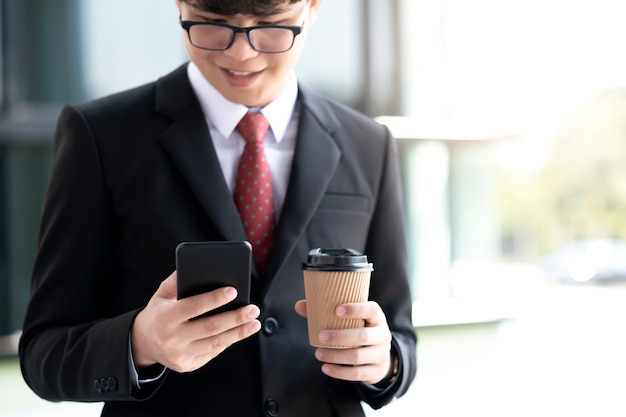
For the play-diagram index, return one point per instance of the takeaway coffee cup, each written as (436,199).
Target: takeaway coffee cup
(333,277)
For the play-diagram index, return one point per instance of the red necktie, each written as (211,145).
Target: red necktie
(253,190)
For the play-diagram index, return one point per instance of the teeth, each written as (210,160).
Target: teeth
(239,74)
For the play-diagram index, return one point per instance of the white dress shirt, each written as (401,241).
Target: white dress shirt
(222,117)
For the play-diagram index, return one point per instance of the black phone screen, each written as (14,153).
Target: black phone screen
(206,266)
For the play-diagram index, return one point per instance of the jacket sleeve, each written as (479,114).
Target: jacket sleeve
(72,346)
(387,249)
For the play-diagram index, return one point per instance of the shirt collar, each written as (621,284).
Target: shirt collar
(224,115)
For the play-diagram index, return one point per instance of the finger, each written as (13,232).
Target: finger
(202,351)
(217,324)
(362,336)
(167,289)
(364,373)
(369,364)
(353,356)
(199,341)
(300,308)
(369,311)
(196,305)
(211,347)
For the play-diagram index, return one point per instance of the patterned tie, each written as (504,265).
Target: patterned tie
(253,190)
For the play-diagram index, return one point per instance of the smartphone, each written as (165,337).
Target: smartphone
(206,266)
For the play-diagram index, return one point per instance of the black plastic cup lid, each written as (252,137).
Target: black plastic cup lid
(336,260)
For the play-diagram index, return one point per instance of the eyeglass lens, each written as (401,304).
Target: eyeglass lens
(261,39)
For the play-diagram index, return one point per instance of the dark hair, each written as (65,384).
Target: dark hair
(232,7)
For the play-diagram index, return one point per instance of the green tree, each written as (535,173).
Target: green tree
(581,192)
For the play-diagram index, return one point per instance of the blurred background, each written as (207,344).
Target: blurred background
(510,117)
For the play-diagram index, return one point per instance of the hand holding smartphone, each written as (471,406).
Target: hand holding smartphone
(206,266)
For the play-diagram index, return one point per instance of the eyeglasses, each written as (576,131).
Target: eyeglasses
(269,39)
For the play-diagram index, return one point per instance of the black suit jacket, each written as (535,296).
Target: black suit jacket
(134,175)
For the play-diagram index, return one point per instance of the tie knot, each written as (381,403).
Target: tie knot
(253,127)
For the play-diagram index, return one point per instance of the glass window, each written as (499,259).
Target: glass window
(510,62)
(123,50)
(2,77)
(536,70)
(128,43)
(333,62)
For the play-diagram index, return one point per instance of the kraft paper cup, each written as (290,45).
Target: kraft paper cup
(333,277)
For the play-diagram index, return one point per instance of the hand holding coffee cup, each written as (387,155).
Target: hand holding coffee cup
(333,277)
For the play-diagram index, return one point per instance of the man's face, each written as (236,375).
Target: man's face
(240,73)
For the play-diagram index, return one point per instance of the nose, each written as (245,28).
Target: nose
(241,48)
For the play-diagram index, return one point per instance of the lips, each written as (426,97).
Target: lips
(241,78)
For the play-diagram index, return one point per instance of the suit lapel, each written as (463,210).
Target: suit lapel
(188,143)
(315,160)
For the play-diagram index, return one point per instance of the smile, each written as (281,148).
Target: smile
(240,73)
(241,78)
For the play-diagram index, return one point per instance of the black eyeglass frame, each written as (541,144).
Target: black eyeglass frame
(188,24)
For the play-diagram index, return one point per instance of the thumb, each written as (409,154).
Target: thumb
(300,308)
(167,289)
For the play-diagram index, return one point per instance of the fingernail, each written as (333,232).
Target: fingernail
(341,311)
(324,336)
(254,312)
(254,326)
(319,355)
(231,293)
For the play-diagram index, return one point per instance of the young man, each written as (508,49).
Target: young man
(139,172)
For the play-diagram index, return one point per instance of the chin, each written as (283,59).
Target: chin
(248,100)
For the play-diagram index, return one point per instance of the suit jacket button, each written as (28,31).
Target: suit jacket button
(271,407)
(111,384)
(270,326)
(97,386)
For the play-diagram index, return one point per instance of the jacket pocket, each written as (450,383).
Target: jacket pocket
(348,202)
